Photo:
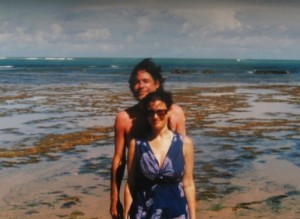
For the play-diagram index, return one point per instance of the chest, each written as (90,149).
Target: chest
(160,149)
(171,166)
(137,127)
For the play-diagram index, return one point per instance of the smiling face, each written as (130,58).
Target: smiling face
(157,114)
(144,84)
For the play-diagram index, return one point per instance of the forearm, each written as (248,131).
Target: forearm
(190,193)
(127,201)
(117,172)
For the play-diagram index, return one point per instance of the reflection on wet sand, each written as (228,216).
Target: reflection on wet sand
(59,146)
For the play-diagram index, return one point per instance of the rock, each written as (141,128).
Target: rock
(207,71)
(271,72)
(182,71)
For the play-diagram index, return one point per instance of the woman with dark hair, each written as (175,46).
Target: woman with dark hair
(160,167)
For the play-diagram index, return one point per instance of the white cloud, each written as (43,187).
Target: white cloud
(143,25)
(41,38)
(95,34)
(21,35)
(130,39)
(219,19)
(4,37)
(56,29)
(224,19)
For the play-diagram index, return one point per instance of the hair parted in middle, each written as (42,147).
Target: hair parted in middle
(161,95)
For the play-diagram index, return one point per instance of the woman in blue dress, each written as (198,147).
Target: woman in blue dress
(160,181)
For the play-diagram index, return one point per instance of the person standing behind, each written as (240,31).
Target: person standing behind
(160,168)
(145,78)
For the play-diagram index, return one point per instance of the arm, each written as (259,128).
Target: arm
(188,177)
(118,165)
(178,120)
(130,185)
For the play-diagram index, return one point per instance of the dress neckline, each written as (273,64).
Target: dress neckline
(164,160)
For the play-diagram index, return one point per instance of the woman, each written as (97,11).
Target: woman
(160,168)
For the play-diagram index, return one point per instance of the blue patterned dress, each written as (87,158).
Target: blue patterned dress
(159,190)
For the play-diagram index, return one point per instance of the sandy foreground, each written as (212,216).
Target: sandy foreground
(57,144)
(35,193)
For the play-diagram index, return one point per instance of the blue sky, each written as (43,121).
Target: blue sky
(154,28)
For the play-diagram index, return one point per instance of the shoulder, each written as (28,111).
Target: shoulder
(126,114)
(188,145)
(177,119)
(187,140)
(177,113)
(184,138)
(122,118)
(122,115)
(122,121)
(176,110)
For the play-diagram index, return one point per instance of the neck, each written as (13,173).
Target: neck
(160,133)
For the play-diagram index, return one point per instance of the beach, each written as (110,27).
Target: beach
(57,145)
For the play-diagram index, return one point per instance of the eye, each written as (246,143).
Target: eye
(159,112)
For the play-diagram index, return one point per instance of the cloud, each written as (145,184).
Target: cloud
(56,29)
(143,25)
(4,37)
(137,28)
(95,34)
(219,19)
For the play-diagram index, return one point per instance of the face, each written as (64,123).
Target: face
(144,84)
(157,114)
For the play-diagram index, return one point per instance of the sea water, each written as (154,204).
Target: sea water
(239,113)
(117,70)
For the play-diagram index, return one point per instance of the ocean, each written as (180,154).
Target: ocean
(111,70)
(57,139)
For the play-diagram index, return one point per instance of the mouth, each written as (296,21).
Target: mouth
(155,122)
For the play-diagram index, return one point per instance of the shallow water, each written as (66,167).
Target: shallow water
(56,141)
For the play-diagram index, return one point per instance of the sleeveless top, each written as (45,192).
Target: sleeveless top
(159,190)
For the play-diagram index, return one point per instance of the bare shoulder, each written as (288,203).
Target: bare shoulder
(122,115)
(127,114)
(122,120)
(176,109)
(188,145)
(187,141)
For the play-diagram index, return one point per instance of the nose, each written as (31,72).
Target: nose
(155,116)
(141,84)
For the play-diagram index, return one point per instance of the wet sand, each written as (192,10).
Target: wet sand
(56,145)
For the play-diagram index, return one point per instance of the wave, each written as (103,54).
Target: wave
(6,66)
(59,58)
(114,66)
(32,58)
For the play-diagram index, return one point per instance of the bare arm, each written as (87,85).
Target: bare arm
(178,120)
(130,185)
(188,177)
(118,165)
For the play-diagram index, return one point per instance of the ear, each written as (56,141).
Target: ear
(169,120)
(156,84)
(169,115)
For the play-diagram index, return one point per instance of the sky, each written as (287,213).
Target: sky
(242,29)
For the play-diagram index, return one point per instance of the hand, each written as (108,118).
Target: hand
(116,210)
